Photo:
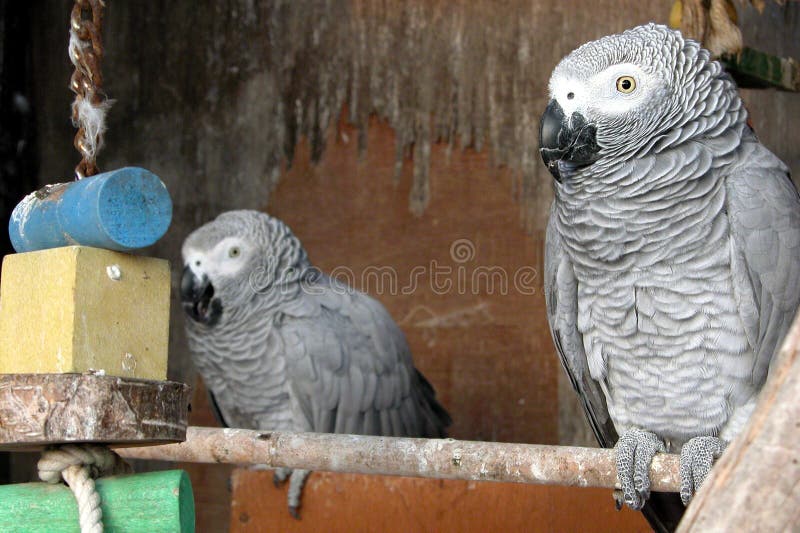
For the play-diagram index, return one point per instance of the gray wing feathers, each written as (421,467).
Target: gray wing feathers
(351,370)
(764,215)
(560,288)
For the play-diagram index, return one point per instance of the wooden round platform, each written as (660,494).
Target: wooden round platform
(42,409)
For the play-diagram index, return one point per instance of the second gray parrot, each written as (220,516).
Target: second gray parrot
(672,267)
(282,346)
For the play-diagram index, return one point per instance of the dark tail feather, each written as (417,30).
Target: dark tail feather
(438,417)
(212,402)
(664,511)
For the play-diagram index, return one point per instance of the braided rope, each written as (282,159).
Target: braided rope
(78,465)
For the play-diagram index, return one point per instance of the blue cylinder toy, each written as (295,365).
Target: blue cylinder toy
(119,210)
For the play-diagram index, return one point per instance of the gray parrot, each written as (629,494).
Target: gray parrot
(672,261)
(281,346)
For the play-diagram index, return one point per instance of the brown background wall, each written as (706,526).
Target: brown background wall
(436,144)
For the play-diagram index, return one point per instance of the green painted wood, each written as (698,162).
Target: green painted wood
(153,502)
(755,69)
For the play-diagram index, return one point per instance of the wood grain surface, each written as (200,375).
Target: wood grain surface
(356,503)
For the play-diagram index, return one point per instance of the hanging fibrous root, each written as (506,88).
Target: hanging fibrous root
(713,23)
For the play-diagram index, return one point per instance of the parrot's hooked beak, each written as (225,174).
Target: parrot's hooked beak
(566,143)
(197,296)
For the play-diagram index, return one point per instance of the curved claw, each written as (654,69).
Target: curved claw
(295,512)
(697,458)
(618,499)
(635,451)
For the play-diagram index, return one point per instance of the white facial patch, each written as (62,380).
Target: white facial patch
(195,260)
(569,92)
(603,93)
(226,258)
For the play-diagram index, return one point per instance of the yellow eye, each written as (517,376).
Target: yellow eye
(626,84)
(234,252)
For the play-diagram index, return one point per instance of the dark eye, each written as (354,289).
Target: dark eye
(234,251)
(626,84)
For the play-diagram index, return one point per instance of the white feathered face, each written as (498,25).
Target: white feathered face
(618,90)
(225,259)
(612,96)
(214,272)
(234,259)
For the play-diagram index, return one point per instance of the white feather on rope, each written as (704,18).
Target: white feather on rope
(91,117)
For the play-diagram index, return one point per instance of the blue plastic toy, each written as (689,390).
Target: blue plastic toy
(119,210)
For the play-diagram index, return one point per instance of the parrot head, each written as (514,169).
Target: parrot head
(236,258)
(613,97)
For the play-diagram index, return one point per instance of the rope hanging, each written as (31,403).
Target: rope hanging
(78,465)
(91,104)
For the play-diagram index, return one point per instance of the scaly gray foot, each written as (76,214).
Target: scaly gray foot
(697,458)
(635,451)
(296,482)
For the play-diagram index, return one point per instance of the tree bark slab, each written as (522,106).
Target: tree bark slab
(44,409)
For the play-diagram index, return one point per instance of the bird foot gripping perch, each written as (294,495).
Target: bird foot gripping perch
(297,479)
(635,451)
(697,458)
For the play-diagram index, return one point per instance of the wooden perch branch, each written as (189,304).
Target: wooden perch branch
(432,458)
(755,486)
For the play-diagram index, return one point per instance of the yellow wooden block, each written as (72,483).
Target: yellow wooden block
(81,309)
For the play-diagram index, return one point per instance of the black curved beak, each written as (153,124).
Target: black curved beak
(197,297)
(566,143)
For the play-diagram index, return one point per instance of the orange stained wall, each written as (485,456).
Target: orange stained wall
(485,348)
